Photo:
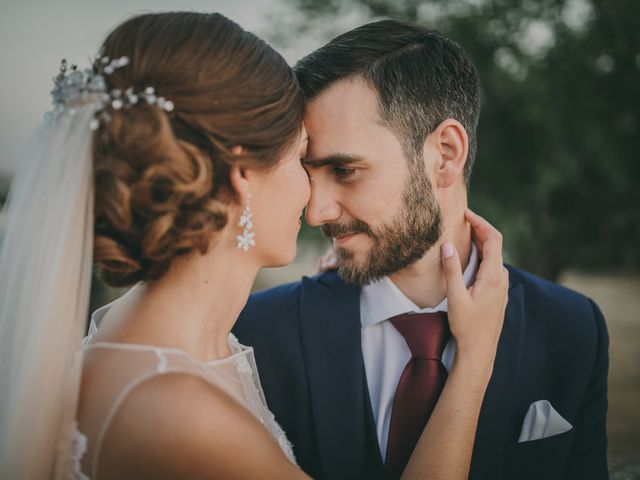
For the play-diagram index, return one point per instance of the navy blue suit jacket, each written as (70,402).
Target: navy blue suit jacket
(553,346)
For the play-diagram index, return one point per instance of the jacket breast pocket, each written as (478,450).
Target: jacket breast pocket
(538,459)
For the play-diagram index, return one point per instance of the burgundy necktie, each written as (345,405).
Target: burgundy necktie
(419,387)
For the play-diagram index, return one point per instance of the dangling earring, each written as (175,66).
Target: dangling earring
(246,240)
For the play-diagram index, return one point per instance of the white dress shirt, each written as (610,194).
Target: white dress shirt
(385,351)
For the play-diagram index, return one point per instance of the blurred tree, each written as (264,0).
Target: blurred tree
(558,167)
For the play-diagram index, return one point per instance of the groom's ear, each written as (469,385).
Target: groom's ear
(452,144)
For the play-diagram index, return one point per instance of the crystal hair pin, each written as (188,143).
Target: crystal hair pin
(73,88)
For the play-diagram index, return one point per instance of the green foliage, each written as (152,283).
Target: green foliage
(558,167)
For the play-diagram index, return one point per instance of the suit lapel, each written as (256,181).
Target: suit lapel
(331,341)
(493,423)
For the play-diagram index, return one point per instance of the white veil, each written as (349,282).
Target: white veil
(45,277)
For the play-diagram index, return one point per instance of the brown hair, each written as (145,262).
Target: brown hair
(161,179)
(421,78)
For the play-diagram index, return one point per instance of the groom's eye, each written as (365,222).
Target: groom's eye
(343,173)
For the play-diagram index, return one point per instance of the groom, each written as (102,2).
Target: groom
(392,115)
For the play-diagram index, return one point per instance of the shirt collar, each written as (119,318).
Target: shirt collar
(382,299)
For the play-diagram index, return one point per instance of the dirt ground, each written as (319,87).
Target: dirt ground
(619,299)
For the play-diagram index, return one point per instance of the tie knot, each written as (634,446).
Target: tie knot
(426,334)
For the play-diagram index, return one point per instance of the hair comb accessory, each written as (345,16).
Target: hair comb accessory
(74,88)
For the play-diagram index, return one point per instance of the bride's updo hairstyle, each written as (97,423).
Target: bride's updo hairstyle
(162,177)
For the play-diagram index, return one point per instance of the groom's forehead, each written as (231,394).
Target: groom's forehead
(342,117)
(338,147)
(349,101)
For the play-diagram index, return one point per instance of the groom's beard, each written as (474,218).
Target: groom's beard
(413,230)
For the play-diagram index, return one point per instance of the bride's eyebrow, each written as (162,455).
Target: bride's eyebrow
(334,160)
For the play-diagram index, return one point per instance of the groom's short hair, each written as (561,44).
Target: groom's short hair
(421,78)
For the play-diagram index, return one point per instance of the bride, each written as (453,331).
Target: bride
(173,165)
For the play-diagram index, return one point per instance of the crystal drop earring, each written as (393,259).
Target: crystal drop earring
(246,240)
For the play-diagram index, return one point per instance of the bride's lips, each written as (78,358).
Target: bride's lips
(342,239)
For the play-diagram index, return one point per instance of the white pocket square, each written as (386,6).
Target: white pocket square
(542,421)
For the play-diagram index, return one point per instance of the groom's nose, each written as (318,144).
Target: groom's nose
(323,207)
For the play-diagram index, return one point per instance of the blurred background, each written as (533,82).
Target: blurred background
(558,165)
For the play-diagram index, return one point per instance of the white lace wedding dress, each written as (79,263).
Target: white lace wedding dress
(125,366)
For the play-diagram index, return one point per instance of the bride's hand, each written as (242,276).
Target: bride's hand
(328,261)
(476,314)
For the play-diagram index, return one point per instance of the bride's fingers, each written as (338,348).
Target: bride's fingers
(330,263)
(489,242)
(486,280)
(327,262)
(456,289)
(481,228)
(505,279)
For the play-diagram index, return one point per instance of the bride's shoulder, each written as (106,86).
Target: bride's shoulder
(181,426)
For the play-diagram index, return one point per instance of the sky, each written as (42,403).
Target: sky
(36,34)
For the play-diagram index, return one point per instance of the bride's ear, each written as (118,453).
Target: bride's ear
(238,178)
(239,183)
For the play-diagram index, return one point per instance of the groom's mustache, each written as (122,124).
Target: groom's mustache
(332,230)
